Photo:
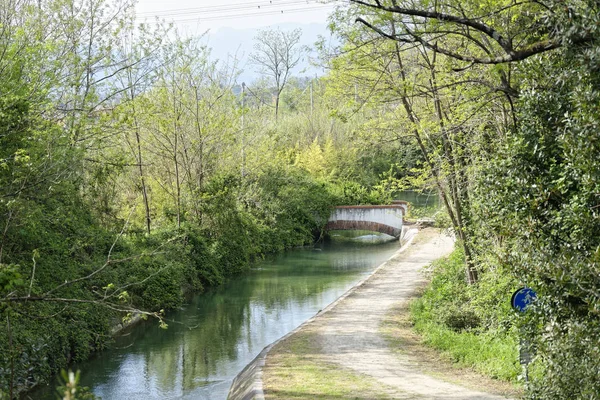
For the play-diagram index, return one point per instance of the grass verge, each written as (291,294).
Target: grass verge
(491,355)
(295,369)
(457,329)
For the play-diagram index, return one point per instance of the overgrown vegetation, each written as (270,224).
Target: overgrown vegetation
(502,99)
(134,168)
(468,323)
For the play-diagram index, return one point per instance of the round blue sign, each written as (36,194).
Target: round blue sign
(522,298)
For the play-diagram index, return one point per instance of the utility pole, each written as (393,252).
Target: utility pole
(243,141)
(312,104)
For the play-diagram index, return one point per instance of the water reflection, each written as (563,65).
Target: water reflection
(418,199)
(219,332)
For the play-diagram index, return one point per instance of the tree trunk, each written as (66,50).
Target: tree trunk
(451,200)
(143,181)
(277,106)
(453,181)
(141,168)
(175,161)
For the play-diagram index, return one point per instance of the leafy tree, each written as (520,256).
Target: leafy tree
(119,173)
(489,33)
(532,196)
(549,196)
(417,99)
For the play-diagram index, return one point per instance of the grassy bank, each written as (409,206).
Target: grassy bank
(471,325)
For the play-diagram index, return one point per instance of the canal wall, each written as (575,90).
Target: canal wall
(248,385)
(121,325)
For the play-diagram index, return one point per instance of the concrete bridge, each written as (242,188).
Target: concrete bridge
(386,219)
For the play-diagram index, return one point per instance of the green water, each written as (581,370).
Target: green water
(211,339)
(418,199)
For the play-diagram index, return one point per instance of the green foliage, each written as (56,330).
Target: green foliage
(520,169)
(70,389)
(292,205)
(126,182)
(10,278)
(548,202)
(467,322)
(202,269)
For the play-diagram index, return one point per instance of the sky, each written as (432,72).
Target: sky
(231,25)
(198,16)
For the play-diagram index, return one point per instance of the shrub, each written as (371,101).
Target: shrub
(458,319)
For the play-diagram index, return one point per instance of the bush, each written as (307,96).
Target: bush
(457,319)
(462,320)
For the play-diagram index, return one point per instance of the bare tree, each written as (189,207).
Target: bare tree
(276,53)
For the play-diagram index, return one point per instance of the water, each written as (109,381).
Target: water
(211,339)
(418,199)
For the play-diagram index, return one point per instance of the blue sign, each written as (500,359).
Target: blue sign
(522,298)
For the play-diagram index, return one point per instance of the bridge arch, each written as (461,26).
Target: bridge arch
(386,219)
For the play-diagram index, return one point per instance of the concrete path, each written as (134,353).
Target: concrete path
(350,333)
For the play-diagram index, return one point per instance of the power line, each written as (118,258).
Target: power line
(231,14)
(249,15)
(255,5)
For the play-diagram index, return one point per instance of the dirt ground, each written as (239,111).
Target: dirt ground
(358,334)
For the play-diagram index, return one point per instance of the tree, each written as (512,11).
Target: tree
(532,187)
(276,53)
(138,78)
(498,32)
(410,83)
(455,45)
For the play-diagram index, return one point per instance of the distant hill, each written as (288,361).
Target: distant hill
(227,43)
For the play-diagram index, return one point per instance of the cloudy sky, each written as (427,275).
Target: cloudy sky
(233,24)
(198,16)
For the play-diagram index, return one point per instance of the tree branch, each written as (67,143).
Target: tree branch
(486,29)
(513,56)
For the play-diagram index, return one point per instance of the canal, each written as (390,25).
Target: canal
(210,340)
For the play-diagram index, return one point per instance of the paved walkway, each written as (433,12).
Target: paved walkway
(349,332)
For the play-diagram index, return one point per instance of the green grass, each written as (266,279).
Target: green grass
(492,355)
(295,369)
(470,325)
